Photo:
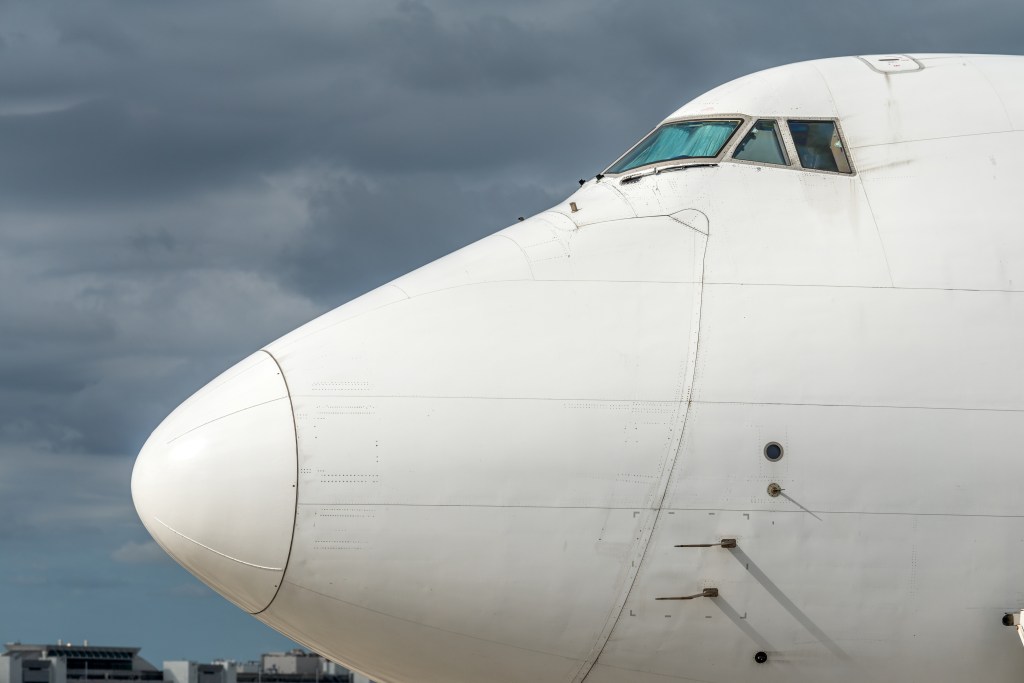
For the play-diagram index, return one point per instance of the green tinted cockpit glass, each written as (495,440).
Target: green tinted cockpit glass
(819,146)
(679,140)
(762,144)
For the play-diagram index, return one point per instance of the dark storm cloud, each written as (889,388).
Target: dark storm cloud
(361,234)
(183,182)
(153,101)
(78,26)
(103,149)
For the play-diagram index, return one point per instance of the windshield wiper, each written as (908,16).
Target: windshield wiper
(637,176)
(680,167)
(662,169)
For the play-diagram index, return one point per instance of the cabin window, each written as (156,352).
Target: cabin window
(678,140)
(819,146)
(762,144)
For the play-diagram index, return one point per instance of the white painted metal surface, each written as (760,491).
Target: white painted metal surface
(498,453)
(216,484)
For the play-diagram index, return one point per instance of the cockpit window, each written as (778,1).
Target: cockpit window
(762,144)
(819,146)
(679,140)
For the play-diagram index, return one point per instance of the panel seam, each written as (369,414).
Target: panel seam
(687,401)
(295,511)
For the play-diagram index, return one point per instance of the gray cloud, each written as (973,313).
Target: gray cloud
(146,552)
(45,495)
(192,589)
(364,233)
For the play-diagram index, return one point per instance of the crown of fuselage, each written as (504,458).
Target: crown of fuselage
(881,99)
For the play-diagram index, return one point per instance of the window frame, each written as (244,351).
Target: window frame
(842,138)
(784,141)
(745,121)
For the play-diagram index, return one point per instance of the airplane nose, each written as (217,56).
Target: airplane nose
(215,483)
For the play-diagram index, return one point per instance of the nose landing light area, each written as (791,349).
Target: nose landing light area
(215,483)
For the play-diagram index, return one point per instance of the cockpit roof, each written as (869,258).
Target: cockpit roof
(882,99)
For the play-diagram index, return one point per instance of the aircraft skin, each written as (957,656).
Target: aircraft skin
(480,471)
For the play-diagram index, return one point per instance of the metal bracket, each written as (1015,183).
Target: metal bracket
(706,593)
(725,543)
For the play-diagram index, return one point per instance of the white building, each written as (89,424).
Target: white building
(184,671)
(63,662)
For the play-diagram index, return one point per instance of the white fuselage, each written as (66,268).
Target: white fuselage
(480,471)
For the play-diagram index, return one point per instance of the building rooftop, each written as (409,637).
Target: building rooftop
(76,651)
(85,656)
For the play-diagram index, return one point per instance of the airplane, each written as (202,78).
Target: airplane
(747,406)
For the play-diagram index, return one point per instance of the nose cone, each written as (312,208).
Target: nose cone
(215,483)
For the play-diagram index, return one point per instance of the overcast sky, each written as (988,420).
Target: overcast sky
(183,182)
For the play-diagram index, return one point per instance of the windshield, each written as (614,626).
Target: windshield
(819,146)
(680,140)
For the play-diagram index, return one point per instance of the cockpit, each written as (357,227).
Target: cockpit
(807,144)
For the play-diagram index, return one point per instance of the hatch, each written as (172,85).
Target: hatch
(892,64)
